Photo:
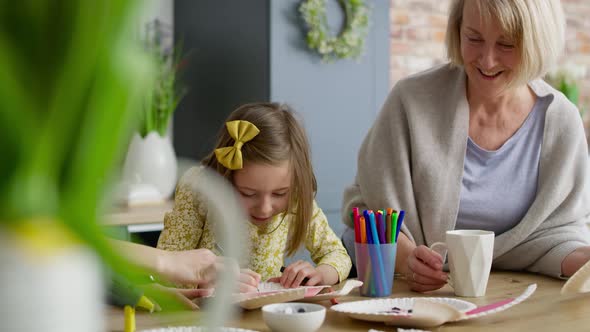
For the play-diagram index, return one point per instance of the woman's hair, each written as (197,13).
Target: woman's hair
(281,138)
(536,26)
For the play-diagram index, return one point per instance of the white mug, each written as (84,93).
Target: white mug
(470,260)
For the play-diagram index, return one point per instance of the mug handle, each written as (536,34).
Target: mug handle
(445,249)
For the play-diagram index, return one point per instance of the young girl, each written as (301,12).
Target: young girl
(264,152)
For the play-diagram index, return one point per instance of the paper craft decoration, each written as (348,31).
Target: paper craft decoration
(426,312)
(579,282)
(401,330)
(257,300)
(272,292)
(273,287)
(341,289)
(388,309)
(195,329)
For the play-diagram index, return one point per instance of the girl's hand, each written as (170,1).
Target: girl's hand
(424,270)
(248,281)
(294,274)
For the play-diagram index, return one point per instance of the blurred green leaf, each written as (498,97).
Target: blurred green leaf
(72,84)
(570,90)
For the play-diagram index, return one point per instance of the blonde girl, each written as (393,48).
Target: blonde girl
(264,152)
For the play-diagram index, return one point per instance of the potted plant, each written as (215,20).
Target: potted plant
(150,169)
(70,82)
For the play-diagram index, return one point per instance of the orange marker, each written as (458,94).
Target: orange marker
(363,230)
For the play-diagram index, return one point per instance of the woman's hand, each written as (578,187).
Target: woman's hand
(248,281)
(200,267)
(294,274)
(196,267)
(574,261)
(174,298)
(424,270)
(191,267)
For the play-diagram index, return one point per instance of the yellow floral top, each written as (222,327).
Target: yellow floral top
(186,228)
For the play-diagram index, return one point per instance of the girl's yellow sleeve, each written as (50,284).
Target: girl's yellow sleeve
(324,246)
(185,227)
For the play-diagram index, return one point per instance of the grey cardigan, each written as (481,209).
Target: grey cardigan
(412,159)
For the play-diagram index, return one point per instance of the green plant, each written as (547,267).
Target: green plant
(164,95)
(565,79)
(71,83)
(349,43)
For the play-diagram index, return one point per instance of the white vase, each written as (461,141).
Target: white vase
(151,161)
(57,290)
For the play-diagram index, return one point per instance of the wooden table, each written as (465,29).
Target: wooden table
(545,310)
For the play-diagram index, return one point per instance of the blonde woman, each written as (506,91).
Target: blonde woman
(483,143)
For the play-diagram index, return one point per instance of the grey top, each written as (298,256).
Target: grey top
(412,159)
(498,187)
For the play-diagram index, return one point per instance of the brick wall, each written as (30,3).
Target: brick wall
(417,39)
(417,36)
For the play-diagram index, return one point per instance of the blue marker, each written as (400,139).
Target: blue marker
(400,219)
(382,280)
(368,226)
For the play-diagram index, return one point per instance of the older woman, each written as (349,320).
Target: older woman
(483,143)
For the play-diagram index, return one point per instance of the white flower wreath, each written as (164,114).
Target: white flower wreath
(349,43)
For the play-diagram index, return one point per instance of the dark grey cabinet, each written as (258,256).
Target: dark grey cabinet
(254,50)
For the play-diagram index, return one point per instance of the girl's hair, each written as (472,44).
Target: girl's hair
(536,26)
(281,138)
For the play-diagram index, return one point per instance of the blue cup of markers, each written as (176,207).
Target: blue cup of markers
(375,267)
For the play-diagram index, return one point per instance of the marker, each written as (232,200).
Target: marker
(355,221)
(368,226)
(363,229)
(393,226)
(400,220)
(381,272)
(388,229)
(373,225)
(388,226)
(381,226)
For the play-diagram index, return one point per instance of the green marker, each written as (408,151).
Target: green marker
(393,226)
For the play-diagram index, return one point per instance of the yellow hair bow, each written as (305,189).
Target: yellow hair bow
(241,131)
